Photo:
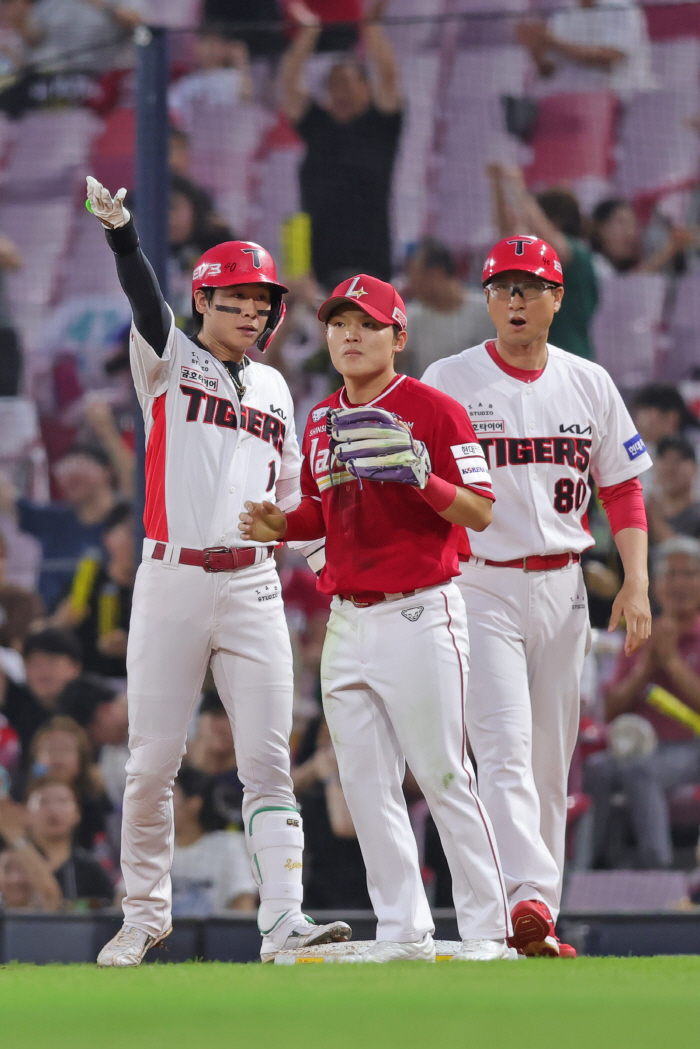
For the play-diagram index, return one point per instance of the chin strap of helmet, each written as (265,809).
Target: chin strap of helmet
(276,315)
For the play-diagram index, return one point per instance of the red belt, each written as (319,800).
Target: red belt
(375,597)
(536,563)
(215,558)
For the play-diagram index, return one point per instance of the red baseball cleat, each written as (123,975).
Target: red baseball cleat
(533,932)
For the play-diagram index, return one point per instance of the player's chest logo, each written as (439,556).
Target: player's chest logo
(203,407)
(521,451)
(575,428)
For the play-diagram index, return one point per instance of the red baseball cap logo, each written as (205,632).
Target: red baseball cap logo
(376,297)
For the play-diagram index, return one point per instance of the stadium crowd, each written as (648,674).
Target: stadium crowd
(285,116)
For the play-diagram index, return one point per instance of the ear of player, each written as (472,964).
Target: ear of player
(374,445)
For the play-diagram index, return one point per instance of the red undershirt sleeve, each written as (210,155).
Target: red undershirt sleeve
(306,522)
(624,505)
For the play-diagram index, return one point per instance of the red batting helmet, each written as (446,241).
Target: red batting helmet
(529,254)
(242,262)
(377,298)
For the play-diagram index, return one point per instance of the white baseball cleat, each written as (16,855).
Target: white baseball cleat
(485,951)
(128,947)
(306,935)
(388,951)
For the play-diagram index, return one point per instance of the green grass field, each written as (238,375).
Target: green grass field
(638,1003)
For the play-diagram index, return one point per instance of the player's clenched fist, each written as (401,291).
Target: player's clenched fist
(263,523)
(109,209)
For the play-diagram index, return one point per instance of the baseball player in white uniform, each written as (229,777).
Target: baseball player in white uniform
(547,421)
(219,431)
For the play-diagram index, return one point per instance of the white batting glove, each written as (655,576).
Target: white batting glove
(109,209)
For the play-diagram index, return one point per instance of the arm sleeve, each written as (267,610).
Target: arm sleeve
(152,318)
(306,522)
(624,505)
(287,491)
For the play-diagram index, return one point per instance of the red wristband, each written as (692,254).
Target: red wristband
(439,494)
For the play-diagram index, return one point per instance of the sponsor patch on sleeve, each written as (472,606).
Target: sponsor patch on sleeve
(473,472)
(635,447)
(462,451)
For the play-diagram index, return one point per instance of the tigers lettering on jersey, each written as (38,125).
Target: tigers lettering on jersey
(519,451)
(219,411)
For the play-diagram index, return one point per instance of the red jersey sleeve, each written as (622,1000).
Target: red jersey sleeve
(455,453)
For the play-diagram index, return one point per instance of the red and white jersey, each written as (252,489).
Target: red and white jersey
(207,453)
(543,434)
(383,536)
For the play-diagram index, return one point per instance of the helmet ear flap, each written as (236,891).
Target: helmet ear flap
(277,315)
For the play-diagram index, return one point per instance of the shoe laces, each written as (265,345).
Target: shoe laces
(126,937)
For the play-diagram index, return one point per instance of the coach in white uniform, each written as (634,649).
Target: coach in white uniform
(546,420)
(219,431)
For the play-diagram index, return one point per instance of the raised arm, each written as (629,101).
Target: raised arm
(541,42)
(517,211)
(294,99)
(152,317)
(386,86)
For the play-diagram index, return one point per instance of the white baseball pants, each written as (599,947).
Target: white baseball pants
(182,617)
(394,678)
(529,634)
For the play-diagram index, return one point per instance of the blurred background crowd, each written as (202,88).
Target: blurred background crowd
(395,137)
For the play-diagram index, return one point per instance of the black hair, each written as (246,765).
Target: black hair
(119,513)
(211,704)
(435,255)
(56,641)
(561,208)
(81,698)
(666,398)
(197,784)
(90,451)
(676,443)
(601,213)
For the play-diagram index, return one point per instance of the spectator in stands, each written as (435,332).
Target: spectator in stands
(19,607)
(671,659)
(76,34)
(52,659)
(335,873)
(67,528)
(40,834)
(211,867)
(98,709)
(673,507)
(617,243)
(193,228)
(12,46)
(595,46)
(659,411)
(240,14)
(178,152)
(61,751)
(351,144)
(10,349)
(444,317)
(212,752)
(99,415)
(555,217)
(102,712)
(99,604)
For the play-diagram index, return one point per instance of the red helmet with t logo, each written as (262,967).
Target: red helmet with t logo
(242,262)
(528,254)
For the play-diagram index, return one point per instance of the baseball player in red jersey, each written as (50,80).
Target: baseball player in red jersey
(547,421)
(391,470)
(219,431)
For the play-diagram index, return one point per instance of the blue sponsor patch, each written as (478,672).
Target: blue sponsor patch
(635,447)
